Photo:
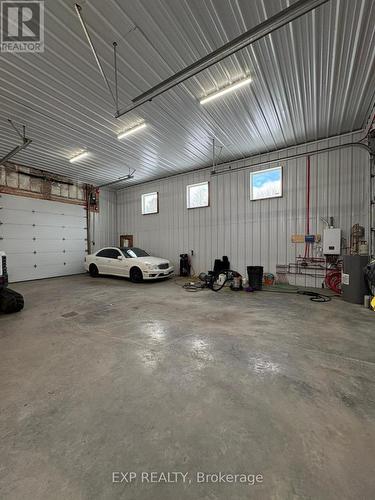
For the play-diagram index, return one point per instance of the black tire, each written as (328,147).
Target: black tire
(136,275)
(10,301)
(19,299)
(94,271)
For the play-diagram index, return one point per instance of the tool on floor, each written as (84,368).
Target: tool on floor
(217,280)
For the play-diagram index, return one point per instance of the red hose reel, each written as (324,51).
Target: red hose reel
(333,280)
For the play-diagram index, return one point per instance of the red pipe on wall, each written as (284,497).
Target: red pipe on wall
(308,171)
(308,196)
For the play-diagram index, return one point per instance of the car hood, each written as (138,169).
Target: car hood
(153,260)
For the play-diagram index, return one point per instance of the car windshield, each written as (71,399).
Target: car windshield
(134,252)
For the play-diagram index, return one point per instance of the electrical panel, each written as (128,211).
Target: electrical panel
(93,200)
(309,238)
(332,241)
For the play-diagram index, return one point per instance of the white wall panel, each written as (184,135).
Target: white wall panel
(251,233)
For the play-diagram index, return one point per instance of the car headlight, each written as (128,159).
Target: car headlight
(149,266)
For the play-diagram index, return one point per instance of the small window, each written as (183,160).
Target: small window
(197,195)
(266,183)
(150,203)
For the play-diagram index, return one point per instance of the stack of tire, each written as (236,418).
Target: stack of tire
(10,301)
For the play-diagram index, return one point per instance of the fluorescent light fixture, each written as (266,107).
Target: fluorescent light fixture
(225,90)
(79,156)
(131,131)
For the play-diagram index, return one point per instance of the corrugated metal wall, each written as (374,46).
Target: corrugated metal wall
(312,78)
(104,224)
(251,233)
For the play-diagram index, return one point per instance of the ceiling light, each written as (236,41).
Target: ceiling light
(223,91)
(131,131)
(78,157)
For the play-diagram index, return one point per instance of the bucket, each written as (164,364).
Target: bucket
(255,275)
(236,283)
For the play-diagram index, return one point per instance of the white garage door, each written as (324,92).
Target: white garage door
(41,238)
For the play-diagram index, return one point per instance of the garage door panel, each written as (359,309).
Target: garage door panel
(45,206)
(45,255)
(20,246)
(46,258)
(26,267)
(39,226)
(49,219)
(25,231)
(42,238)
(28,272)
(17,246)
(17,217)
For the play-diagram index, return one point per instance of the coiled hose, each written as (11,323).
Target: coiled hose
(333,280)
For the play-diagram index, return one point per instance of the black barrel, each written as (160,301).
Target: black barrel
(255,276)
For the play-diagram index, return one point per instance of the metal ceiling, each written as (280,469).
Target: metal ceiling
(312,79)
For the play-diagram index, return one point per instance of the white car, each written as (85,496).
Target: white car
(131,262)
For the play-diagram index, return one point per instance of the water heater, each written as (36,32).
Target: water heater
(332,241)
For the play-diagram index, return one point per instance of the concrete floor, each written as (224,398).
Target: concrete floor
(102,375)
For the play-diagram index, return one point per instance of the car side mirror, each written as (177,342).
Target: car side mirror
(120,257)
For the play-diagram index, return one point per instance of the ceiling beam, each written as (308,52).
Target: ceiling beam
(296,10)
(14,151)
(121,179)
(25,142)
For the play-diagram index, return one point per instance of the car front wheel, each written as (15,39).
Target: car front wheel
(136,275)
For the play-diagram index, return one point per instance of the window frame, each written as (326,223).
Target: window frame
(103,250)
(125,252)
(193,185)
(280,168)
(118,253)
(108,250)
(157,202)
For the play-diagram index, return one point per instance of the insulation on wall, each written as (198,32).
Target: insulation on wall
(20,180)
(251,232)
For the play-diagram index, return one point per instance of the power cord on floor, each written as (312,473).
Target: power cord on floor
(314,296)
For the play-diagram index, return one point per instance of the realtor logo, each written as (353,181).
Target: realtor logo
(22,26)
